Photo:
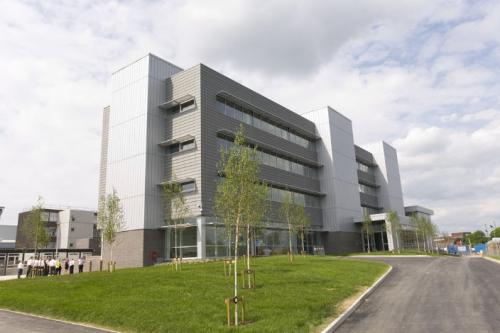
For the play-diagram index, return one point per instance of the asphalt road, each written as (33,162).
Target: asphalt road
(18,323)
(444,294)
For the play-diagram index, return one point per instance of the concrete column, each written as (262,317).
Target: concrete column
(201,239)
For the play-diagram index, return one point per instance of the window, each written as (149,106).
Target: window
(186,106)
(182,107)
(72,229)
(70,244)
(187,145)
(239,113)
(367,189)
(188,186)
(363,167)
(369,210)
(268,158)
(278,195)
(181,146)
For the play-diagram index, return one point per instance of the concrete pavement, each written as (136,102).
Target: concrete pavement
(19,323)
(436,294)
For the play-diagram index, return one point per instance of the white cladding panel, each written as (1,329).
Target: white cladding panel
(338,177)
(127,140)
(157,131)
(74,224)
(390,194)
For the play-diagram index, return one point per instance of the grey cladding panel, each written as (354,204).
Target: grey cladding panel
(212,122)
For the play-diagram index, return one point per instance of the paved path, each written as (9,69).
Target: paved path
(18,323)
(442,294)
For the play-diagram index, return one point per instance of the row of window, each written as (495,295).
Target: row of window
(364,167)
(181,146)
(274,161)
(370,210)
(278,195)
(367,189)
(182,107)
(247,116)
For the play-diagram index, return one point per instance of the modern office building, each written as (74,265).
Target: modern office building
(67,229)
(166,124)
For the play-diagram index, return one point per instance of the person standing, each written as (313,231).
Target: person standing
(45,267)
(58,266)
(81,262)
(30,267)
(35,268)
(52,266)
(66,265)
(20,267)
(71,266)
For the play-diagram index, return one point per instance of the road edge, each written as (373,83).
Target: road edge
(491,259)
(391,256)
(343,316)
(60,320)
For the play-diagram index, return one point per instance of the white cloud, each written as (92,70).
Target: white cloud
(406,72)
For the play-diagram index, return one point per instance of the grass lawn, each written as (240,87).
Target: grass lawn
(288,298)
(494,257)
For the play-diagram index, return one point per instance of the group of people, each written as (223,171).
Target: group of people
(49,266)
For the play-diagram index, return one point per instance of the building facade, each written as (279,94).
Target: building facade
(67,229)
(166,124)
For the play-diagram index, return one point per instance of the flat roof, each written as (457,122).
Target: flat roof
(418,209)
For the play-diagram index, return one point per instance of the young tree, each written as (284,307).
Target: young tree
(434,232)
(297,220)
(287,212)
(422,229)
(303,223)
(415,223)
(34,227)
(240,195)
(367,228)
(110,219)
(393,218)
(176,210)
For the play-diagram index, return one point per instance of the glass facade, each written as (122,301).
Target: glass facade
(186,246)
(370,210)
(273,160)
(367,189)
(278,195)
(364,167)
(248,117)
(263,242)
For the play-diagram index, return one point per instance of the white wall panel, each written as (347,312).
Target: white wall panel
(338,177)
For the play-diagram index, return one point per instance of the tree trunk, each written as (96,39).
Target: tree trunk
(236,271)
(424,241)
(248,253)
(418,244)
(368,237)
(290,242)
(102,244)
(175,244)
(397,242)
(302,239)
(111,256)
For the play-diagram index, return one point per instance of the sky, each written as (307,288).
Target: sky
(420,75)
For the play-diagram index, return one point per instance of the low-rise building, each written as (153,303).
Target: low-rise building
(67,228)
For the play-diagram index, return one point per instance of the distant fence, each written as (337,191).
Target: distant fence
(493,248)
(10,257)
